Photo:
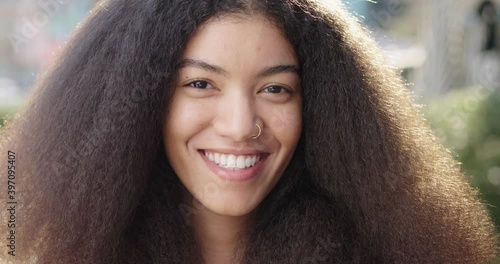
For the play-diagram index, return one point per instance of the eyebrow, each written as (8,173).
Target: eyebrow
(286,68)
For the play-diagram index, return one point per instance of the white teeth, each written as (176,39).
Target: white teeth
(223,160)
(231,161)
(240,162)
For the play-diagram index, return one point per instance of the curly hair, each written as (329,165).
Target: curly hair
(368,182)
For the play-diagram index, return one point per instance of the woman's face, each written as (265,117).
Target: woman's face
(236,72)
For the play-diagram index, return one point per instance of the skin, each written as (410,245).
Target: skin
(219,109)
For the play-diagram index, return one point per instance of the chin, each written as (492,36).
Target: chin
(230,209)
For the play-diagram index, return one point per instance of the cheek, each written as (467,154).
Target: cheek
(184,120)
(286,123)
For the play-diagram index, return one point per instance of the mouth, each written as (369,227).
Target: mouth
(234,167)
(232,161)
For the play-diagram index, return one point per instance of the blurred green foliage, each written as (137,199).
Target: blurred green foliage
(468,123)
(6,112)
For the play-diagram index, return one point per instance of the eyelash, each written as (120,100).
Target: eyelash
(208,83)
(197,81)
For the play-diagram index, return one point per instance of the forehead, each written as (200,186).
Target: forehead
(230,39)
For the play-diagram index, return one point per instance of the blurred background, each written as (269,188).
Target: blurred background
(447,50)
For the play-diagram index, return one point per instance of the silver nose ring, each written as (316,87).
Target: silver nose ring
(260,131)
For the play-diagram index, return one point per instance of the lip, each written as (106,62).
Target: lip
(235,175)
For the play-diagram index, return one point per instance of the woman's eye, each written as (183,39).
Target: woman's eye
(276,89)
(199,84)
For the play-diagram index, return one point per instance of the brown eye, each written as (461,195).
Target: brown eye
(277,89)
(199,84)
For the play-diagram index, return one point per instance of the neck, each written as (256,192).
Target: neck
(217,235)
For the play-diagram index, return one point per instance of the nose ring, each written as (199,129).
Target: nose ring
(260,131)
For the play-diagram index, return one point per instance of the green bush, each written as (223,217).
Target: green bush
(468,123)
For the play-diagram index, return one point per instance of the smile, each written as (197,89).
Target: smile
(234,167)
(230,161)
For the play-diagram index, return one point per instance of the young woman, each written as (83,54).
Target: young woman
(237,131)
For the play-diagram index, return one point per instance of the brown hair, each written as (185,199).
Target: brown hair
(368,181)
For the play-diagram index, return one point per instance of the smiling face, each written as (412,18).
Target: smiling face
(237,71)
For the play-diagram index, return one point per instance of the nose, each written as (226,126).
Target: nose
(236,117)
